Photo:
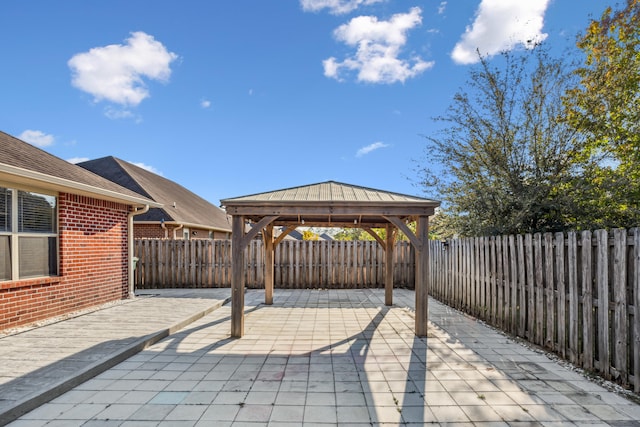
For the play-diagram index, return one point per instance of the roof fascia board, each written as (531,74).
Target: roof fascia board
(328,203)
(329,209)
(48,182)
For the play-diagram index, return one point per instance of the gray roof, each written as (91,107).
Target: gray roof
(25,163)
(329,191)
(190,209)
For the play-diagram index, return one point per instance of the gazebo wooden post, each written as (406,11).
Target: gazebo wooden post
(388,279)
(237,276)
(269,255)
(422,276)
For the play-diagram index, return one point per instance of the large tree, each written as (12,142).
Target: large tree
(606,106)
(505,157)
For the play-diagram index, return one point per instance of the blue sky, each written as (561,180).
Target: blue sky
(229,98)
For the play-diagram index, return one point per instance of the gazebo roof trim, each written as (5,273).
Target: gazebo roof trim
(328,192)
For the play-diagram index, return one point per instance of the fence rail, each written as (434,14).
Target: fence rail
(575,294)
(298,264)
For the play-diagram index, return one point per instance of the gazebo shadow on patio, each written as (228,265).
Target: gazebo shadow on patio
(354,358)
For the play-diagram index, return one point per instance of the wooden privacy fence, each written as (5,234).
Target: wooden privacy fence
(577,294)
(297,265)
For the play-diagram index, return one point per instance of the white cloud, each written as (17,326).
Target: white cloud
(115,73)
(336,7)
(147,167)
(76,160)
(205,103)
(442,7)
(118,113)
(37,138)
(378,46)
(501,25)
(369,148)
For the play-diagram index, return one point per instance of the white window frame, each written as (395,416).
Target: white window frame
(15,235)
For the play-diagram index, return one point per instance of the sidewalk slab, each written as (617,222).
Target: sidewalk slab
(40,364)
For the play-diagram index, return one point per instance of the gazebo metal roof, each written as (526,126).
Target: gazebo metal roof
(329,204)
(329,191)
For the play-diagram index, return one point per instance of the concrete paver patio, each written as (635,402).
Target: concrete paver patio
(337,357)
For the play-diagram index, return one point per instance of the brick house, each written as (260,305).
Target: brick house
(65,235)
(184,214)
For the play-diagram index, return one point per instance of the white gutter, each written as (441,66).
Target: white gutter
(49,182)
(136,211)
(179,227)
(164,227)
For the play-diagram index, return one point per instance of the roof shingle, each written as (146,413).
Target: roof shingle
(180,204)
(19,154)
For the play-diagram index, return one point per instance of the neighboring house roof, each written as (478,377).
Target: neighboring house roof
(22,163)
(180,205)
(294,234)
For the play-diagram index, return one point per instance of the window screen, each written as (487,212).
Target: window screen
(28,237)
(5,209)
(36,213)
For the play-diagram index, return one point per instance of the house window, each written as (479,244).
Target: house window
(28,234)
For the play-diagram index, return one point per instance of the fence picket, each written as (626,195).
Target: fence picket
(636,312)
(561,298)
(513,285)
(602,280)
(620,329)
(589,328)
(549,293)
(522,287)
(572,274)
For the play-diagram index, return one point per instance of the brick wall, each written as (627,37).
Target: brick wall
(149,231)
(93,264)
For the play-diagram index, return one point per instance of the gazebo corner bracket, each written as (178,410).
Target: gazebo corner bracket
(417,243)
(257,228)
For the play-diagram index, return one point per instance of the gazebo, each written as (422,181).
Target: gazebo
(329,204)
